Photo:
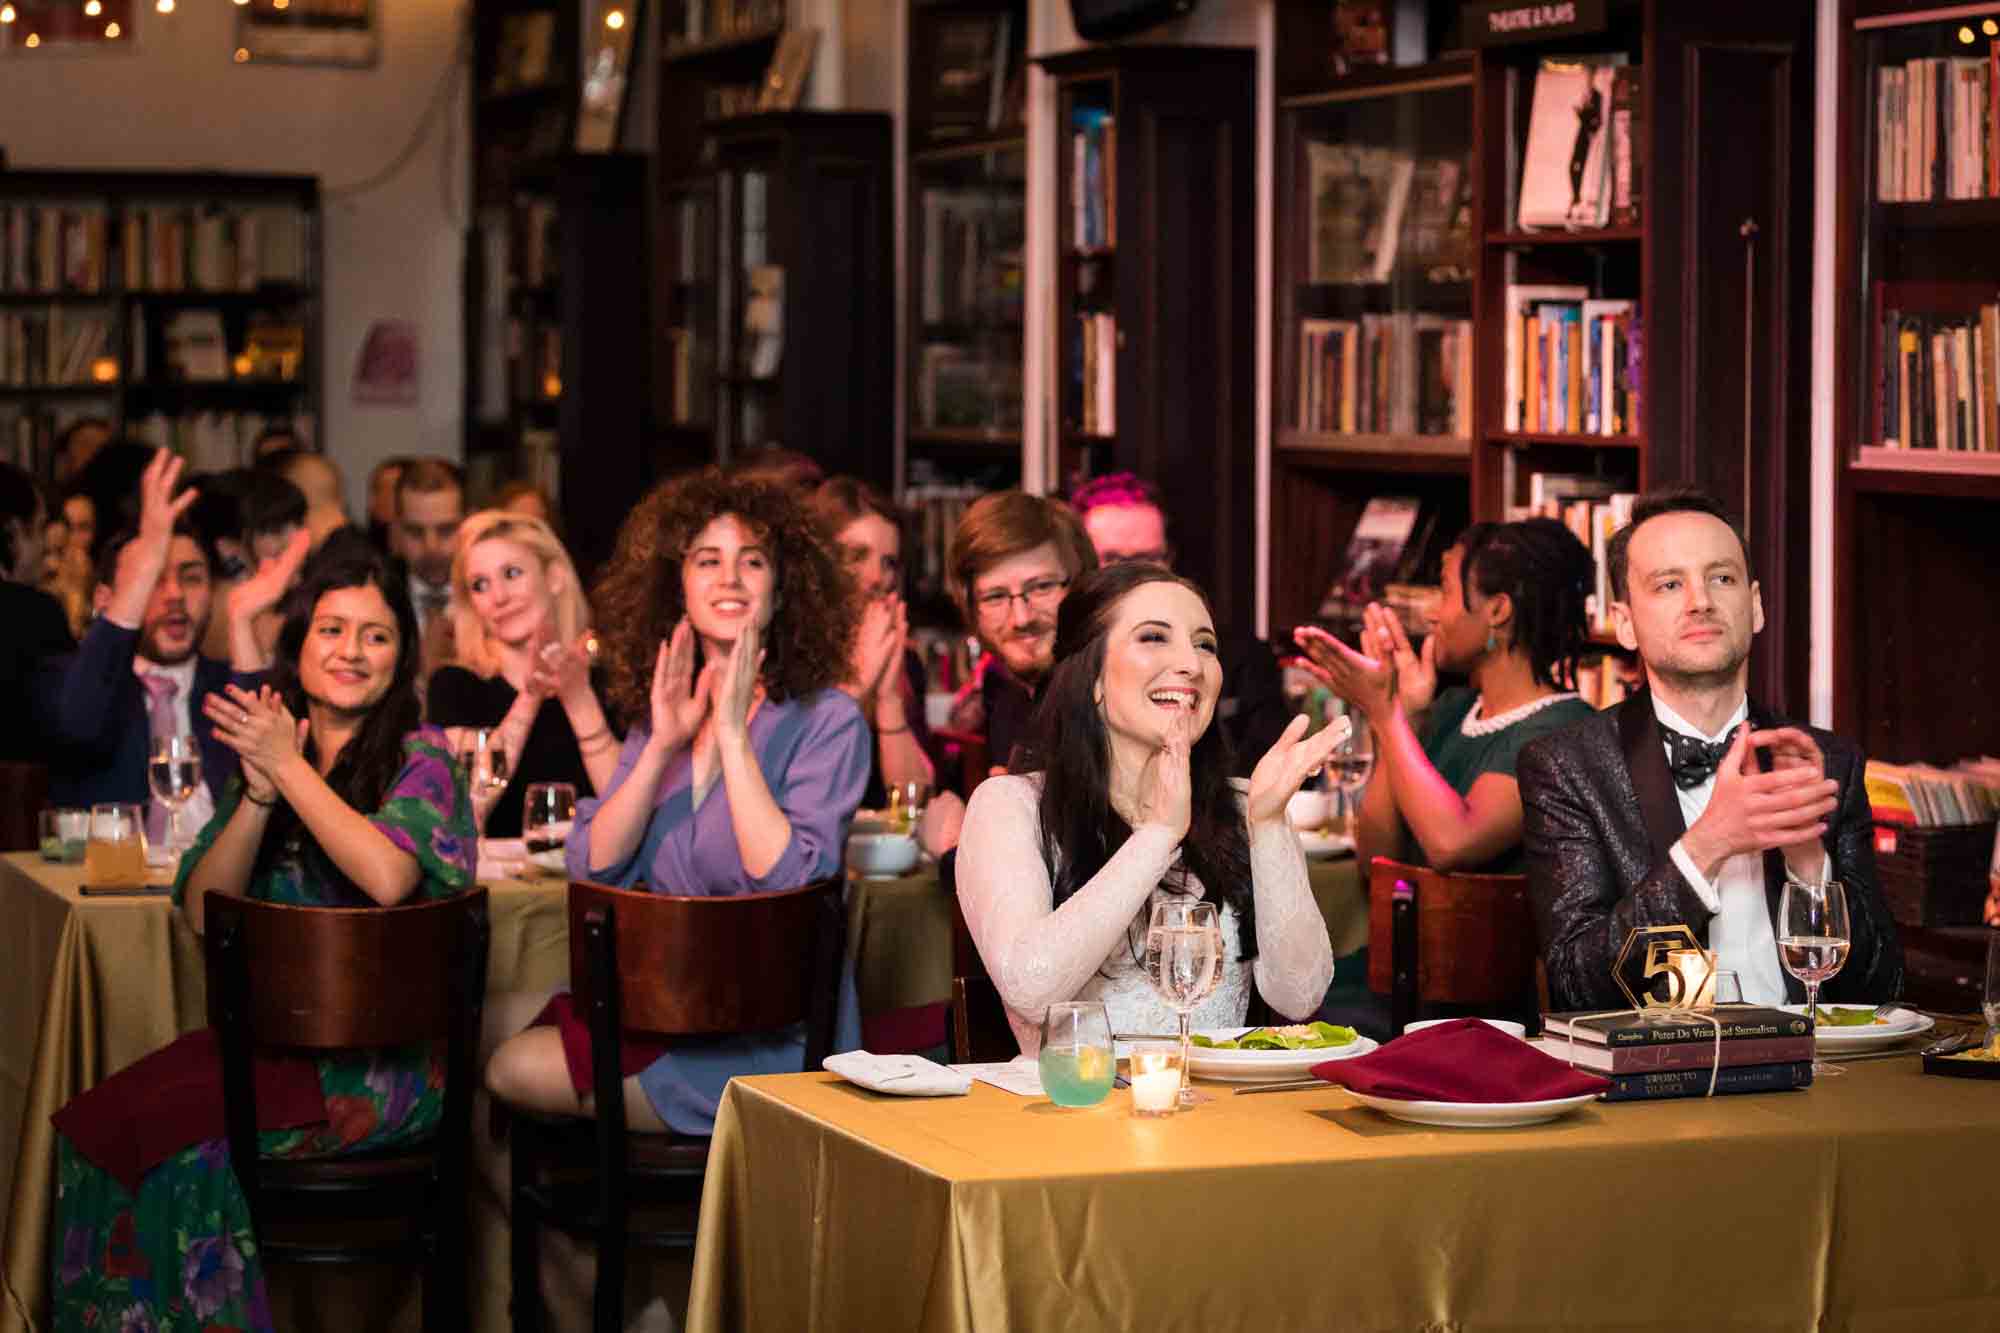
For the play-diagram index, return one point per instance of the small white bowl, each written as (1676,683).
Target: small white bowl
(882,855)
(1507,1026)
(1309,809)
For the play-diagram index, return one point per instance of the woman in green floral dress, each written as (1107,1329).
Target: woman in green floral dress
(344,801)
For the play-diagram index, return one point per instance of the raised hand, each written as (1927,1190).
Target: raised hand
(1755,811)
(261,591)
(258,727)
(560,670)
(1368,683)
(878,644)
(145,556)
(679,702)
(1292,759)
(1416,673)
(736,685)
(1166,787)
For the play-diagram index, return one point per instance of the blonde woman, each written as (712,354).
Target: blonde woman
(521,626)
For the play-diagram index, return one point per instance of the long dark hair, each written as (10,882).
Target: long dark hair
(370,761)
(1080,830)
(1547,573)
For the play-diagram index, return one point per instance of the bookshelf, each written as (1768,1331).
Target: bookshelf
(1154,300)
(1714,256)
(965,147)
(1917,332)
(183,308)
(1373,342)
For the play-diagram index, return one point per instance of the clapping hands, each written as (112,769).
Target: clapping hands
(1166,786)
(260,729)
(1288,763)
(680,703)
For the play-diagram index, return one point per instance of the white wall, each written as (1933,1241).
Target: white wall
(176,101)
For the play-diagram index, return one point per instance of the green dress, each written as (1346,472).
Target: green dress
(182,1254)
(1462,760)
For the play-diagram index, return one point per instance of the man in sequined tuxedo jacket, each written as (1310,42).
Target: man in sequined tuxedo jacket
(1689,803)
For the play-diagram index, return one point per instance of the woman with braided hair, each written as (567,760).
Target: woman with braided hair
(1511,620)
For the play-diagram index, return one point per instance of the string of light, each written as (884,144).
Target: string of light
(113,30)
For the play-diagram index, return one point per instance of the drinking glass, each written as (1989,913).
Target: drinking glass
(1183,961)
(1728,988)
(115,855)
(547,813)
(64,832)
(907,801)
(485,760)
(1990,1001)
(1076,1061)
(174,771)
(1813,941)
(1350,763)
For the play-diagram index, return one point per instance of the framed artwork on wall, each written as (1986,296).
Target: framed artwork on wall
(308,32)
(46,27)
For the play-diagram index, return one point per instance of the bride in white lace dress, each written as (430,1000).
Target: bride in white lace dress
(1057,869)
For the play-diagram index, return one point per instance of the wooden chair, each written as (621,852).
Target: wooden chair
(325,979)
(24,790)
(1467,941)
(664,966)
(978,1020)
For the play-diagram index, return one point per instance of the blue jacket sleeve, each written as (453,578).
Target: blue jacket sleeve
(820,785)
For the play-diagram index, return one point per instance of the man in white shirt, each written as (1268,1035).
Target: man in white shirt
(430,504)
(1689,803)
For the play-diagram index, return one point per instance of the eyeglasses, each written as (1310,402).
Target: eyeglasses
(1041,594)
(1163,556)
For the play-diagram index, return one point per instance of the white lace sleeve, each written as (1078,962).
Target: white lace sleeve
(1035,952)
(1294,956)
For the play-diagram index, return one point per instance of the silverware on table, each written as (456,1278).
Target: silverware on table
(1944,1046)
(1294,1085)
(1145,1036)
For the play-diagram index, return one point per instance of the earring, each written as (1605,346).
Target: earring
(1492,640)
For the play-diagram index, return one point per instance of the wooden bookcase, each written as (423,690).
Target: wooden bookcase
(1916,652)
(1164,254)
(1719,263)
(182,308)
(1350,140)
(966,152)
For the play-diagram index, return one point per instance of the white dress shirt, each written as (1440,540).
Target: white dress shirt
(422,593)
(1740,932)
(200,807)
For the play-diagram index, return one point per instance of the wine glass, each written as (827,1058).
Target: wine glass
(1349,764)
(1076,1055)
(907,801)
(1813,940)
(485,760)
(1183,961)
(1728,988)
(547,813)
(173,772)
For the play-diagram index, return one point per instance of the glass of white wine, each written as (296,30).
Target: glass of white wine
(485,760)
(1813,940)
(1350,763)
(173,772)
(1184,962)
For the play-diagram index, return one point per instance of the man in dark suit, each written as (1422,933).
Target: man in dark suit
(137,674)
(1690,803)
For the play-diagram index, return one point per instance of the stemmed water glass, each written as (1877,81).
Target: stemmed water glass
(1350,763)
(548,812)
(1813,940)
(173,772)
(907,801)
(485,760)
(1184,962)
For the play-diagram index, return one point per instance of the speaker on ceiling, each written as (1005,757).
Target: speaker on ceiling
(1107,20)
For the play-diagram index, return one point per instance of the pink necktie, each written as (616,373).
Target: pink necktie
(160,693)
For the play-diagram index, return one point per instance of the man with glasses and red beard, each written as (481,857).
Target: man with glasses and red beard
(1012,558)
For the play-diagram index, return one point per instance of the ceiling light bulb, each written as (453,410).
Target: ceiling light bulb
(92,8)
(6,13)
(164,6)
(614,19)
(1965,35)
(112,30)
(34,40)
(1990,28)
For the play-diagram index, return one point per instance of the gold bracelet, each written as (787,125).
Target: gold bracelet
(251,797)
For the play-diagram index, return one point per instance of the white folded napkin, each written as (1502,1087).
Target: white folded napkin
(904,1075)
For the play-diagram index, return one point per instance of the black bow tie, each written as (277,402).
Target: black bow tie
(1692,761)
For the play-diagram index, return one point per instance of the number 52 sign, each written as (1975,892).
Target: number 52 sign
(1673,953)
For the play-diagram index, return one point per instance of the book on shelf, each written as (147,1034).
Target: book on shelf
(1629,1029)
(1094,178)
(1381,545)
(959,389)
(1937,358)
(53,248)
(1665,1084)
(790,67)
(29,427)
(1929,796)
(1935,122)
(1571,363)
(1565,169)
(217,441)
(1404,374)
(968,66)
(538,256)
(1094,371)
(693,22)
(196,349)
(1356,196)
(54,348)
(1679,1057)
(1628,158)
(1437,236)
(764,320)
(167,248)
(972,265)
(1605,681)
(1592,508)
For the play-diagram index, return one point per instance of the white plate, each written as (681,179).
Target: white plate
(1904,1023)
(1319,846)
(1474,1115)
(1265,1066)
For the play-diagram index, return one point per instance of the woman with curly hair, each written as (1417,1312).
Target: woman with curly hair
(727,629)
(1511,619)
(344,801)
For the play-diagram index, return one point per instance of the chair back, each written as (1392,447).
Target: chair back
(24,790)
(1475,934)
(979,1027)
(969,748)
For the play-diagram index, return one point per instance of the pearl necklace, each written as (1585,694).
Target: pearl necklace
(1475,725)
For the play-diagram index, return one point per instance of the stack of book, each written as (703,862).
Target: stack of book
(1403,374)
(1572,362)
(1646,1059)
(1936,388)
(1093,172)
(1966,793)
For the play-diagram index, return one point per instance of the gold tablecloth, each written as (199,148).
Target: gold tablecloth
(1864,1203)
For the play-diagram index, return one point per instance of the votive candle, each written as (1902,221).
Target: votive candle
(1156,1080)
(1697,972)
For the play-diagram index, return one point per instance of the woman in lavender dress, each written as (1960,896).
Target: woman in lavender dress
(729,623)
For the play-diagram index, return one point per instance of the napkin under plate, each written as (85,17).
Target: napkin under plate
(1461,1061)
(903,1075)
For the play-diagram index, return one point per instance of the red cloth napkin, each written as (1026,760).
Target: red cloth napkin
(1461,1061)
(172,1099)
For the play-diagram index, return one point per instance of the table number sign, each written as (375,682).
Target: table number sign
(1673,953)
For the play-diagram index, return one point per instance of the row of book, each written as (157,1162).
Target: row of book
(961,387)
(1966,793)
(1573,363)
(1094,371)
(1935,123)
(216,441)
(1580,170)
(690,22)
(1404,374)
(1093,179)
(1762,1050)
(1593,508)
(1939,385)
(57,346)
(46,248)
(931,516)
(972,256)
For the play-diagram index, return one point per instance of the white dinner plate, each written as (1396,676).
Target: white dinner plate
(1228,1066)
(1319,846)
(1902,1024)
(1474,1115)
